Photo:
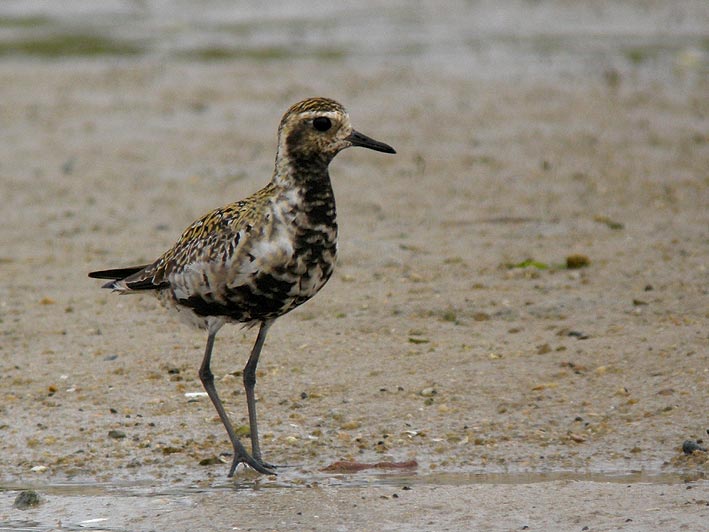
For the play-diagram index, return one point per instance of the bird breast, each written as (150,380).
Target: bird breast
(273,264)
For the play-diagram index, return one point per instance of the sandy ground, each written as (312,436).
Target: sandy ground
(529,396)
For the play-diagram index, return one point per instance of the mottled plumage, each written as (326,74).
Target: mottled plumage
(256,259)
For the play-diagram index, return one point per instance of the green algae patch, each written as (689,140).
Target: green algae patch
(63,45)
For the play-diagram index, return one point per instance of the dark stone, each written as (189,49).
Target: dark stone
(27,499)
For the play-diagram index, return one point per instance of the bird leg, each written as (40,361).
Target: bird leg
(249,385)
(207,378)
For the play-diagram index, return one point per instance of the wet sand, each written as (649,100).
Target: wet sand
(452,333)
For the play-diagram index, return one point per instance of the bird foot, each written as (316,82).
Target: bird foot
(256,464)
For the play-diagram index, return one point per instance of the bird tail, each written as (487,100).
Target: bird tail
(116,275)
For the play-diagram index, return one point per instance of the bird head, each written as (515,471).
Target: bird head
(313,131)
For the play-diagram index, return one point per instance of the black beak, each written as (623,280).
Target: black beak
(357,139)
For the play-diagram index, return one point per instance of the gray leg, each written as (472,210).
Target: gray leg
(207,378)
(249,384)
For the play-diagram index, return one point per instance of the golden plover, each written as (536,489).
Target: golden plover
(257,259)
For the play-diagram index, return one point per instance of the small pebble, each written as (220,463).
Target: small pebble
(578,438)
(116,434)
(27,499)
(574,262)
(68,166)
(689,446)
(212,460)
(543,349)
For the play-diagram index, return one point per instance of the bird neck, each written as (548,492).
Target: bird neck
(307,185)
(301,172)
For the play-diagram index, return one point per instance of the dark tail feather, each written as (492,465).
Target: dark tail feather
(117,274)
(120,274)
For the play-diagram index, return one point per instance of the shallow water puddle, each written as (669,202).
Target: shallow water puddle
(92,506)
(535,477)
(155,488)
(113,506)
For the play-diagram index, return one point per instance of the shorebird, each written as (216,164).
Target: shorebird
(254,260)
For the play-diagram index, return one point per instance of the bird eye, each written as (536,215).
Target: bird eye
(322,123)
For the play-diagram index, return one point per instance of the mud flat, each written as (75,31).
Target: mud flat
(520,304)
